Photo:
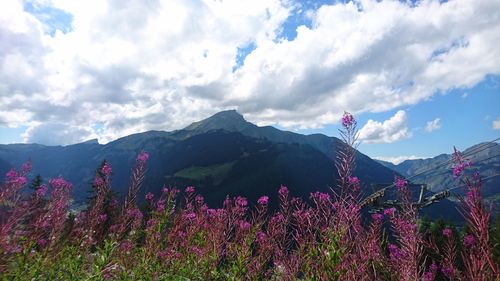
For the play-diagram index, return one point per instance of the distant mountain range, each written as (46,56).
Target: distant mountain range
(437,173)
(221,155)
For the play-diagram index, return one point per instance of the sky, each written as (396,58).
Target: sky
(419,76)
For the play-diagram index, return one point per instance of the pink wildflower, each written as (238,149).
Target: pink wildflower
(448,271)
(260,237)
(354,180)
(377,217)
(400,183)
(42,242)
(211,212)
(143,157)
(98,181)
(106,169)
(241,202)
(102,218)
(189,189)
(197,251)
(190,216)
(390,211)
(199,199)
(11,175)
(263,200)
(348,120)
(395,253)
(244,225)
(42,190)
(283,191)
(469,240)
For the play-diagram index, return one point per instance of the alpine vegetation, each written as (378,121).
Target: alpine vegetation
(177,236)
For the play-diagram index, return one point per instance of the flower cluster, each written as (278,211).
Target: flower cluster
(348,120)
(178,237)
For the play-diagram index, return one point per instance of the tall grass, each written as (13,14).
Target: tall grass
(178,237)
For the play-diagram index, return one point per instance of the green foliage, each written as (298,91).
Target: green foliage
(213,174)
(36,182)
(495,239)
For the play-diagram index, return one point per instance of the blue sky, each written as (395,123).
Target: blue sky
(466,117)
(420,76)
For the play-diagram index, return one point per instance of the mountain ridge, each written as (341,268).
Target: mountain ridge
(222,154)
(51,161)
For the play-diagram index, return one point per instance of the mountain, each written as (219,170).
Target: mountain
(437,173)
(223,154)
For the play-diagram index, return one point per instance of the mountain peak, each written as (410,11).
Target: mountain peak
(228,114)
(230,120)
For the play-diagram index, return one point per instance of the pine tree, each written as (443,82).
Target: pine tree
(36,182)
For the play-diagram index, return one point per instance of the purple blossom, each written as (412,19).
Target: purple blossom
(400,183)
(163,254)
(26,167)
(190,216)
(283,191)
(42,190)
(143,157)
(189,189)
(134,213)
(395,253)
(260,237)
(324,197)
(197,251)
(160,206)
(164,190)
(114,228)
(60,183)
(211,212)
(11,175)
(390,211)
(114,202)
(199,199)
(428,276)
(241,202)
(377,217)
(469,240)
(348,120)
(102,218)
(460,164)
(263,200)
(354,180)
(98,181)
(447,232)
(41,242)
(126,246)
(149,196)
(448,271)
(244,225)
(21,181)
(434,267)
(106,169)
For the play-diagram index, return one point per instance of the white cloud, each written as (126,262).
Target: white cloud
(133,66)
(398,159)
(57,133)
(433,125)
(392,130)
(496,124)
